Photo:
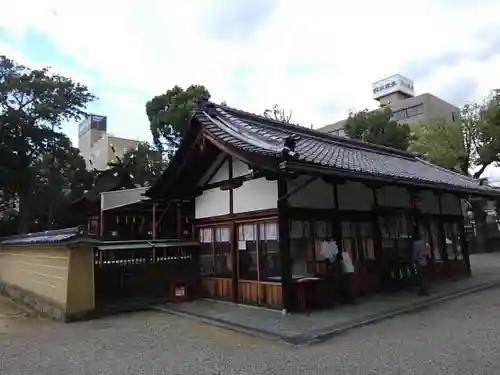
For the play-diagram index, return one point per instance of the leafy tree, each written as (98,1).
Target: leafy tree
(278,114)
(378,127)
(443,144)
(472,143)
(33,104)
(144,164)
(169,113)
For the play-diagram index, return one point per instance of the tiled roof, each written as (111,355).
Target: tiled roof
(47,237)
(256,134)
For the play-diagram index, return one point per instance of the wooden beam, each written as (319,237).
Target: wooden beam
(284,247)
(154,222)
(297,188)
(231,185)
(442,236)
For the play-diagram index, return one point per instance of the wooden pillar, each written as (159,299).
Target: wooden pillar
(377,234)
(284,246)
(414,201)
(442,238)
(337,220)
(179,222)
(101,223)
(463,238)
(154,222)
(234,235)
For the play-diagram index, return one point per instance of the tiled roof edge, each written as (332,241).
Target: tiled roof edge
(324,136)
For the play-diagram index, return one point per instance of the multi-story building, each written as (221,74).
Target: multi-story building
(397,93)
(96,146)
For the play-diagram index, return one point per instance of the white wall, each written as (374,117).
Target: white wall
(355,196)
(240,168)
(317,194)
(255,195)
(213,202)
(222,173)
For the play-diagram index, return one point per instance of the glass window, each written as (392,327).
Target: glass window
(301,248)
(415,110)
(207,264)
(215,252)
(258,250)
(399,115)
(357,240)
(222,252)
(452,238)
(269,256)
(247,252)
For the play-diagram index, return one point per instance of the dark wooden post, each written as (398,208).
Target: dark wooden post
(377,234)
(442,237)
(463,238)
(382,268)
(284,246)
(101,218)
(180,233)
(234,234)
(337,222)
(154,222)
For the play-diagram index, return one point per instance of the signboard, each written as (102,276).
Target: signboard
(392,84)
(84,127)
(93,122)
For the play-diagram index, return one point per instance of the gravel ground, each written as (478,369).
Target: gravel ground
(458,337)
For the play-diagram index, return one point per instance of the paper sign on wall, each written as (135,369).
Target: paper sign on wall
(242,245)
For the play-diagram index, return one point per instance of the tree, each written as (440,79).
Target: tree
(377,127)
(472,143)
(144,164)
(278,114)
(33,104)
(169,114)
(443,144)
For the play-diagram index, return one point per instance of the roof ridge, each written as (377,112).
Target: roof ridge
(316,133)
(248,137)
(323,136)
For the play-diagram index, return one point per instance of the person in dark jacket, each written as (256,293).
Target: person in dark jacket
(421,253)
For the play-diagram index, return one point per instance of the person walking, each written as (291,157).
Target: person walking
(421,255)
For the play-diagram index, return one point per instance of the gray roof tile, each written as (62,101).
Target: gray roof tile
(47,237)
(257,134)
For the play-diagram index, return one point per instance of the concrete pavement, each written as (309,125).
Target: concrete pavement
(459,337)
(302,329)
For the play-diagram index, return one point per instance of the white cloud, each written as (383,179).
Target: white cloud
(315,57)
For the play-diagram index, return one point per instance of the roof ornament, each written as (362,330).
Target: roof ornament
(289,145)
(205,105)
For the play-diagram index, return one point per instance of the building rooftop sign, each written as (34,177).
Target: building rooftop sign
(391,85)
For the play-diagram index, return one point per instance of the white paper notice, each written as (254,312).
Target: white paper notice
(347,266)
(242,245)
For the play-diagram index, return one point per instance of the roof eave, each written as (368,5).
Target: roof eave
(321,170)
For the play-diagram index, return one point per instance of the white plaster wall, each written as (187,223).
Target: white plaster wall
(394,196)
(239,168)
(209,172)
(317,194)
(429,203)
(450,204)
(222,174)
(254,195)
(213,202)
(355,196)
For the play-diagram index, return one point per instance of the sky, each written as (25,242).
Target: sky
(317,58)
